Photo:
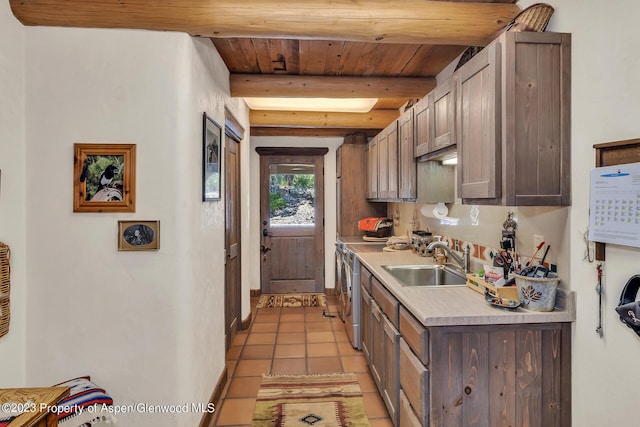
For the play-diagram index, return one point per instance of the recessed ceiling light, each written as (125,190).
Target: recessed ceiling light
(337,105)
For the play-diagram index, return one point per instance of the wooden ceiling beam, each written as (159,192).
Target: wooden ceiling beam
(290,86)
(393,21)
(375,119)
(315,132)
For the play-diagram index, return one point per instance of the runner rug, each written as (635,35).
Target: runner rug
(291,300)
(331,400)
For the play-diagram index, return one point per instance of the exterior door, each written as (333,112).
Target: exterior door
(232,304)
(292,223)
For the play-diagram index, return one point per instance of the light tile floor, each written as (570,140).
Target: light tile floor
(291,340)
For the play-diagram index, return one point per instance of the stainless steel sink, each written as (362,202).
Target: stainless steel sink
(426,275)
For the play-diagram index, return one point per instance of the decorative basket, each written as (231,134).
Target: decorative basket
(534,18)
(5,313)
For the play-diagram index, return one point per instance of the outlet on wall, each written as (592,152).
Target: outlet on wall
(537,239)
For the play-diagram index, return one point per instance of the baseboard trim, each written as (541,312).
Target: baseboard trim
(246,323)
(215,399)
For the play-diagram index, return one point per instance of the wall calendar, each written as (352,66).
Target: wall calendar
(614,206)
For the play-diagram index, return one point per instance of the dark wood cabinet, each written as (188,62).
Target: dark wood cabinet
(365,323)
(513,122)
(377,354)
(406,160)
(442,113)
(372,168)
(434,120)
(511,375)
(388,162)
(391,380)
(518,375)
(391,163)
(478,125)
(351,201)
(421,121)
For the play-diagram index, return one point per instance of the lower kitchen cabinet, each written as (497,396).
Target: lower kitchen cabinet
(518,375)
(414,380)
(391,381)
(480,375)
(377,330)
(365,322)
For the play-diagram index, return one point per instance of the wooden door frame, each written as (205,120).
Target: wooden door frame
(235,132)
(309,152)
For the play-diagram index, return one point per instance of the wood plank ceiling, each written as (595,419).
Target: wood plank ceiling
(389,50)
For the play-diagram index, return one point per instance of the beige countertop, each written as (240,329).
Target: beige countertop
(456,305)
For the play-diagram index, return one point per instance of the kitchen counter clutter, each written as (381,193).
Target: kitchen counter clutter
(456,305)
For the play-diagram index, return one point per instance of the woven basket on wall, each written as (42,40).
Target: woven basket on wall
(5,314)
(534,18)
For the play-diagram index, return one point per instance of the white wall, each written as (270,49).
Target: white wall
(605,108)
(329,201)
(12,191)
(148,326)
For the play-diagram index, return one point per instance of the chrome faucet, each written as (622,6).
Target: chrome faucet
(464,261)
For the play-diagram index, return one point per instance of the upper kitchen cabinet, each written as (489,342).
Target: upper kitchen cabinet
(513,121)
(434,121)
(422,125)
(351,177)
(388,162)
(407,162)
(371,154)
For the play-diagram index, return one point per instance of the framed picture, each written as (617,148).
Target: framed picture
(138,235)
(104,178)
(211,159)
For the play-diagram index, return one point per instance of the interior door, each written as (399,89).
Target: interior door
(232,241)
(292,223)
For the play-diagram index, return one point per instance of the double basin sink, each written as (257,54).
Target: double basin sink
(427,275)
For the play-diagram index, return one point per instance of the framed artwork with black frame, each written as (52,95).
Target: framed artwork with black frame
(211,159)
(104,178)
(138,235)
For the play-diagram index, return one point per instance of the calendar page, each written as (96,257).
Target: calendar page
(614,215)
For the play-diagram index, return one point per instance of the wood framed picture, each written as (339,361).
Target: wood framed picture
(211,159)
(104,178)
(138,235)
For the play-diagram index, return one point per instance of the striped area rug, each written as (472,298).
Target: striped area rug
(331,400)
(291,300)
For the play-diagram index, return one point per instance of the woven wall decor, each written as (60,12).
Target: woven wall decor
(5,313)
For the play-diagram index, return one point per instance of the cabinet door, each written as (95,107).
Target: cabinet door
(372,169)
(518,375)
(383,165)
(414,381)
(421,124)
(407,162)
(537,119)
(376,350)
(478,126)
(365,322)
(442,116)
(391,373)
(388,162)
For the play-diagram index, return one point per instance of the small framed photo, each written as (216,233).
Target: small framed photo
(104,178)
(138,235)
(211,159)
